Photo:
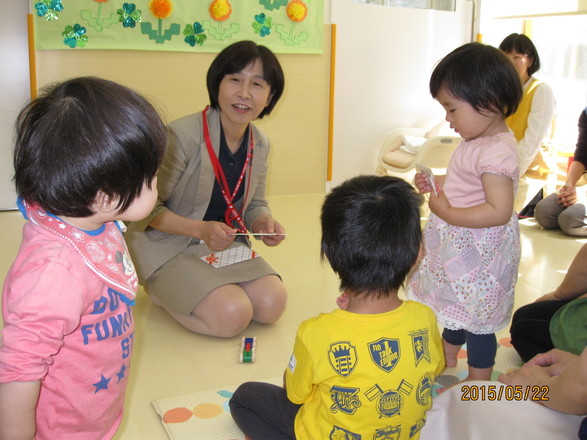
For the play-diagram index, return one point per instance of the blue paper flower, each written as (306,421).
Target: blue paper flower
(49,9)
(194,35)
(74,36)
(262,25)
(129,15)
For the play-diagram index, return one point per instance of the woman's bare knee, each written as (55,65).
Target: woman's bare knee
(268,297)
(227,311)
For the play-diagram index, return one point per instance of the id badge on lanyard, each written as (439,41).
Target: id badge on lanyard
(231,214)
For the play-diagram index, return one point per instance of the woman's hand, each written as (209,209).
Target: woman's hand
(567,195)
(549,297)
(554,361)
(216,235)
(269,225)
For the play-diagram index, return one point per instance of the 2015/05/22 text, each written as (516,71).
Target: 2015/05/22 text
(474,393)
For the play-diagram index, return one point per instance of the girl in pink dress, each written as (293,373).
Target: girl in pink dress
(472,239)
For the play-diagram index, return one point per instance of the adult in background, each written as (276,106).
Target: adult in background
(532,329)
(531,123)
(566,209)
(211,186)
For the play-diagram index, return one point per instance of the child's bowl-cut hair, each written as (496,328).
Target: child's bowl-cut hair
(82,136)
(371,233)
(480,75)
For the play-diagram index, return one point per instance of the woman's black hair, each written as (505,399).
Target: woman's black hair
(82,136)
(481,75)
(236,57)
(371,233)
(520,43)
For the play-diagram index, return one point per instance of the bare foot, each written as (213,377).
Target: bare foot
(450,353)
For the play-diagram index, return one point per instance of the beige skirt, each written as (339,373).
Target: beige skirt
(185,280)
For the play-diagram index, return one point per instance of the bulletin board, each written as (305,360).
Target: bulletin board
(286,26)
(175,82)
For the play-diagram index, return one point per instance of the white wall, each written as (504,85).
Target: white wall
(14,89)
(383,61)
(384,57)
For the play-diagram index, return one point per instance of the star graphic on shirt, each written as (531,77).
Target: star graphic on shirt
(120,374)
(102,384)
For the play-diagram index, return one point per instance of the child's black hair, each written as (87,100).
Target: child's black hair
(82,136)
(481,75)
(371,233)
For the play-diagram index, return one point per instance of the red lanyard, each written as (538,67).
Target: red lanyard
(231,214)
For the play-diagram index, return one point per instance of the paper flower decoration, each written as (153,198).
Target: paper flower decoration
(194,35)
(296,10)
(49,9)
(74,36)
(262,25)
(270,5)
(161,8)
(220,10)
(129,15)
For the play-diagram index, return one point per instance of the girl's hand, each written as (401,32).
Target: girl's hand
(217,236)
(269,225)
(422,184)
(439,204)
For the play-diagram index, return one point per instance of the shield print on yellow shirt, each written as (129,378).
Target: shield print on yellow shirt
(385,353)
(343,357)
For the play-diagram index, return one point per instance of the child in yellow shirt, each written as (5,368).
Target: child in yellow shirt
(365,372)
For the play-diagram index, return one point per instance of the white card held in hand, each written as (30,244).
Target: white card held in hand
(229,256)
(429,176)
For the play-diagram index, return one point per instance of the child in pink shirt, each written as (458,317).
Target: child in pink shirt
(87,153)
(472,237)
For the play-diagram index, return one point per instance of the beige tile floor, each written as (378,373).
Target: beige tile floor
(170,361)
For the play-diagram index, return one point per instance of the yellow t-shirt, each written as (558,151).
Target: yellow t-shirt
(363,376)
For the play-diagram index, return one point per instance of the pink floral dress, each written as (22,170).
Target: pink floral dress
(468,275)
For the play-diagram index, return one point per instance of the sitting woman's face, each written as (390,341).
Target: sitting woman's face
(522,63)
(243,95)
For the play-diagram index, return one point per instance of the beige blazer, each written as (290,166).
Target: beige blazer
(185,183)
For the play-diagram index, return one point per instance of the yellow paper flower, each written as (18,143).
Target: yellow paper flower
(161,8)
(296,10)
(220,10)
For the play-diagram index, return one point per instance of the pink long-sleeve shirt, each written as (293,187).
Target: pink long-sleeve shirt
(69,328)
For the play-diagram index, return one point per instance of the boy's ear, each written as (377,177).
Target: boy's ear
(104,203)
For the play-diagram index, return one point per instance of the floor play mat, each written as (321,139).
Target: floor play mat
(205,415)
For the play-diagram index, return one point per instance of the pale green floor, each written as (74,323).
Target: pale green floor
(170,361)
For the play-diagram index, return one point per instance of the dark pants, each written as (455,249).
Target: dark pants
(530,328)
(481,349)
(262,411)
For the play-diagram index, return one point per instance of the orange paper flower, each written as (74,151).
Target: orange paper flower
(100,1)
(296,10)
(220,10)
(161,8)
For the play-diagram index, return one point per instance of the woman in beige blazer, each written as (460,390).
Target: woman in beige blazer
(212,185)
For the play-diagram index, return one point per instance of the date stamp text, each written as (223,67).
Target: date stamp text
(474,393)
